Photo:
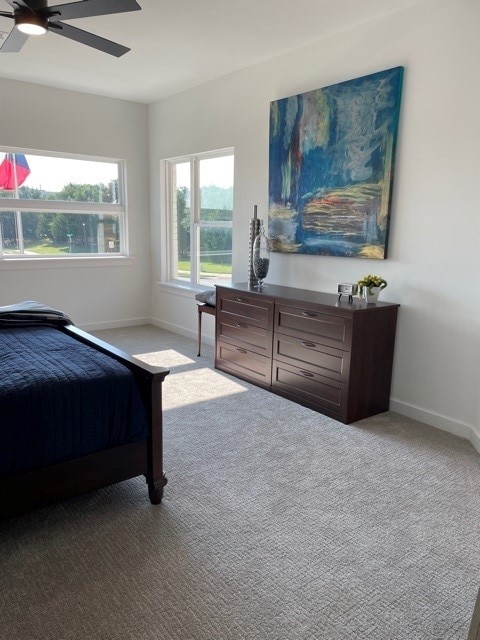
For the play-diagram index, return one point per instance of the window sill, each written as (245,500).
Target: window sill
(183,290)
(14,264)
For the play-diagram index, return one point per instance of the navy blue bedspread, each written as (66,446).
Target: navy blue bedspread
(60,399)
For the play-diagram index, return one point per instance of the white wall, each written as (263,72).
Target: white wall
(433,267)
(42,118)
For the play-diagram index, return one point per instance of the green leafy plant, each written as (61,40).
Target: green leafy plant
(369,281)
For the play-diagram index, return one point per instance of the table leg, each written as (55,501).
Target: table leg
(199,329)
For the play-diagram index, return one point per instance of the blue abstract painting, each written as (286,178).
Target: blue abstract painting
(331,160)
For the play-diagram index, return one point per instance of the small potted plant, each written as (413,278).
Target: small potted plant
(370,286)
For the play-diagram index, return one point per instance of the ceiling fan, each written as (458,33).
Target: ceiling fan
(35,17)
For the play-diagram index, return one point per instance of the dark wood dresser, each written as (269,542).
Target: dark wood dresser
(307,346)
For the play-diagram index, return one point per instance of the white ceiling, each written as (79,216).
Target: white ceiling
(182,43)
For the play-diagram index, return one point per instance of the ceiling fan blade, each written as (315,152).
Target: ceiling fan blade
(35,5)
(23,4)
(14,42)
(90,39)
(88,8)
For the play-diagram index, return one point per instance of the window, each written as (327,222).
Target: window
(200,207)
(58,206)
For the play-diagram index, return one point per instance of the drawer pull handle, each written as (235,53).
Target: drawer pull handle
(311,345)
(309,314)
(242,299)
(242,350)
(241,325)
(307,374)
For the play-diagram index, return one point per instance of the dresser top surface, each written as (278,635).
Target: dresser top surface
(305,295)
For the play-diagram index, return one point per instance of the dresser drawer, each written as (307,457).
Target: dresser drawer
(244,307)
(310,387)
(315,325)
(327,361)
(244,334)
(243,362)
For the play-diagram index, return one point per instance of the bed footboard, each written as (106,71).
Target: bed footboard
(46,485)
(150,380)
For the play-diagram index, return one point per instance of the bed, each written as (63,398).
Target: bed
(76,414)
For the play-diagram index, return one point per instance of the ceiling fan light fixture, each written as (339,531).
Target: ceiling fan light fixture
(36,17)
(30,23)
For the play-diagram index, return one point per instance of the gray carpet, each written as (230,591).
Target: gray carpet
(277,524)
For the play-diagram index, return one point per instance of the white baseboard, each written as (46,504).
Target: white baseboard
(475,439)
(116,324)
(437,420)
(174,328)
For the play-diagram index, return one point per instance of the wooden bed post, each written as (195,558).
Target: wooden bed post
(156,478)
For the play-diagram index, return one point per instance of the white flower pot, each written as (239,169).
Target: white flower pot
(370,294)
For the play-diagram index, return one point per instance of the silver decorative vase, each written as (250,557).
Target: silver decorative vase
(261,257)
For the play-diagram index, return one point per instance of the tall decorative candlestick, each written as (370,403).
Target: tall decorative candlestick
(254,231)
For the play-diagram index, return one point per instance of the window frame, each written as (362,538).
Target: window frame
(195,222)
(82,208)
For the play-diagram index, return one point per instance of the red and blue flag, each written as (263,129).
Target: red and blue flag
(14,170)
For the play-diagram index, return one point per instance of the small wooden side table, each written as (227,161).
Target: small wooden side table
(202,308)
